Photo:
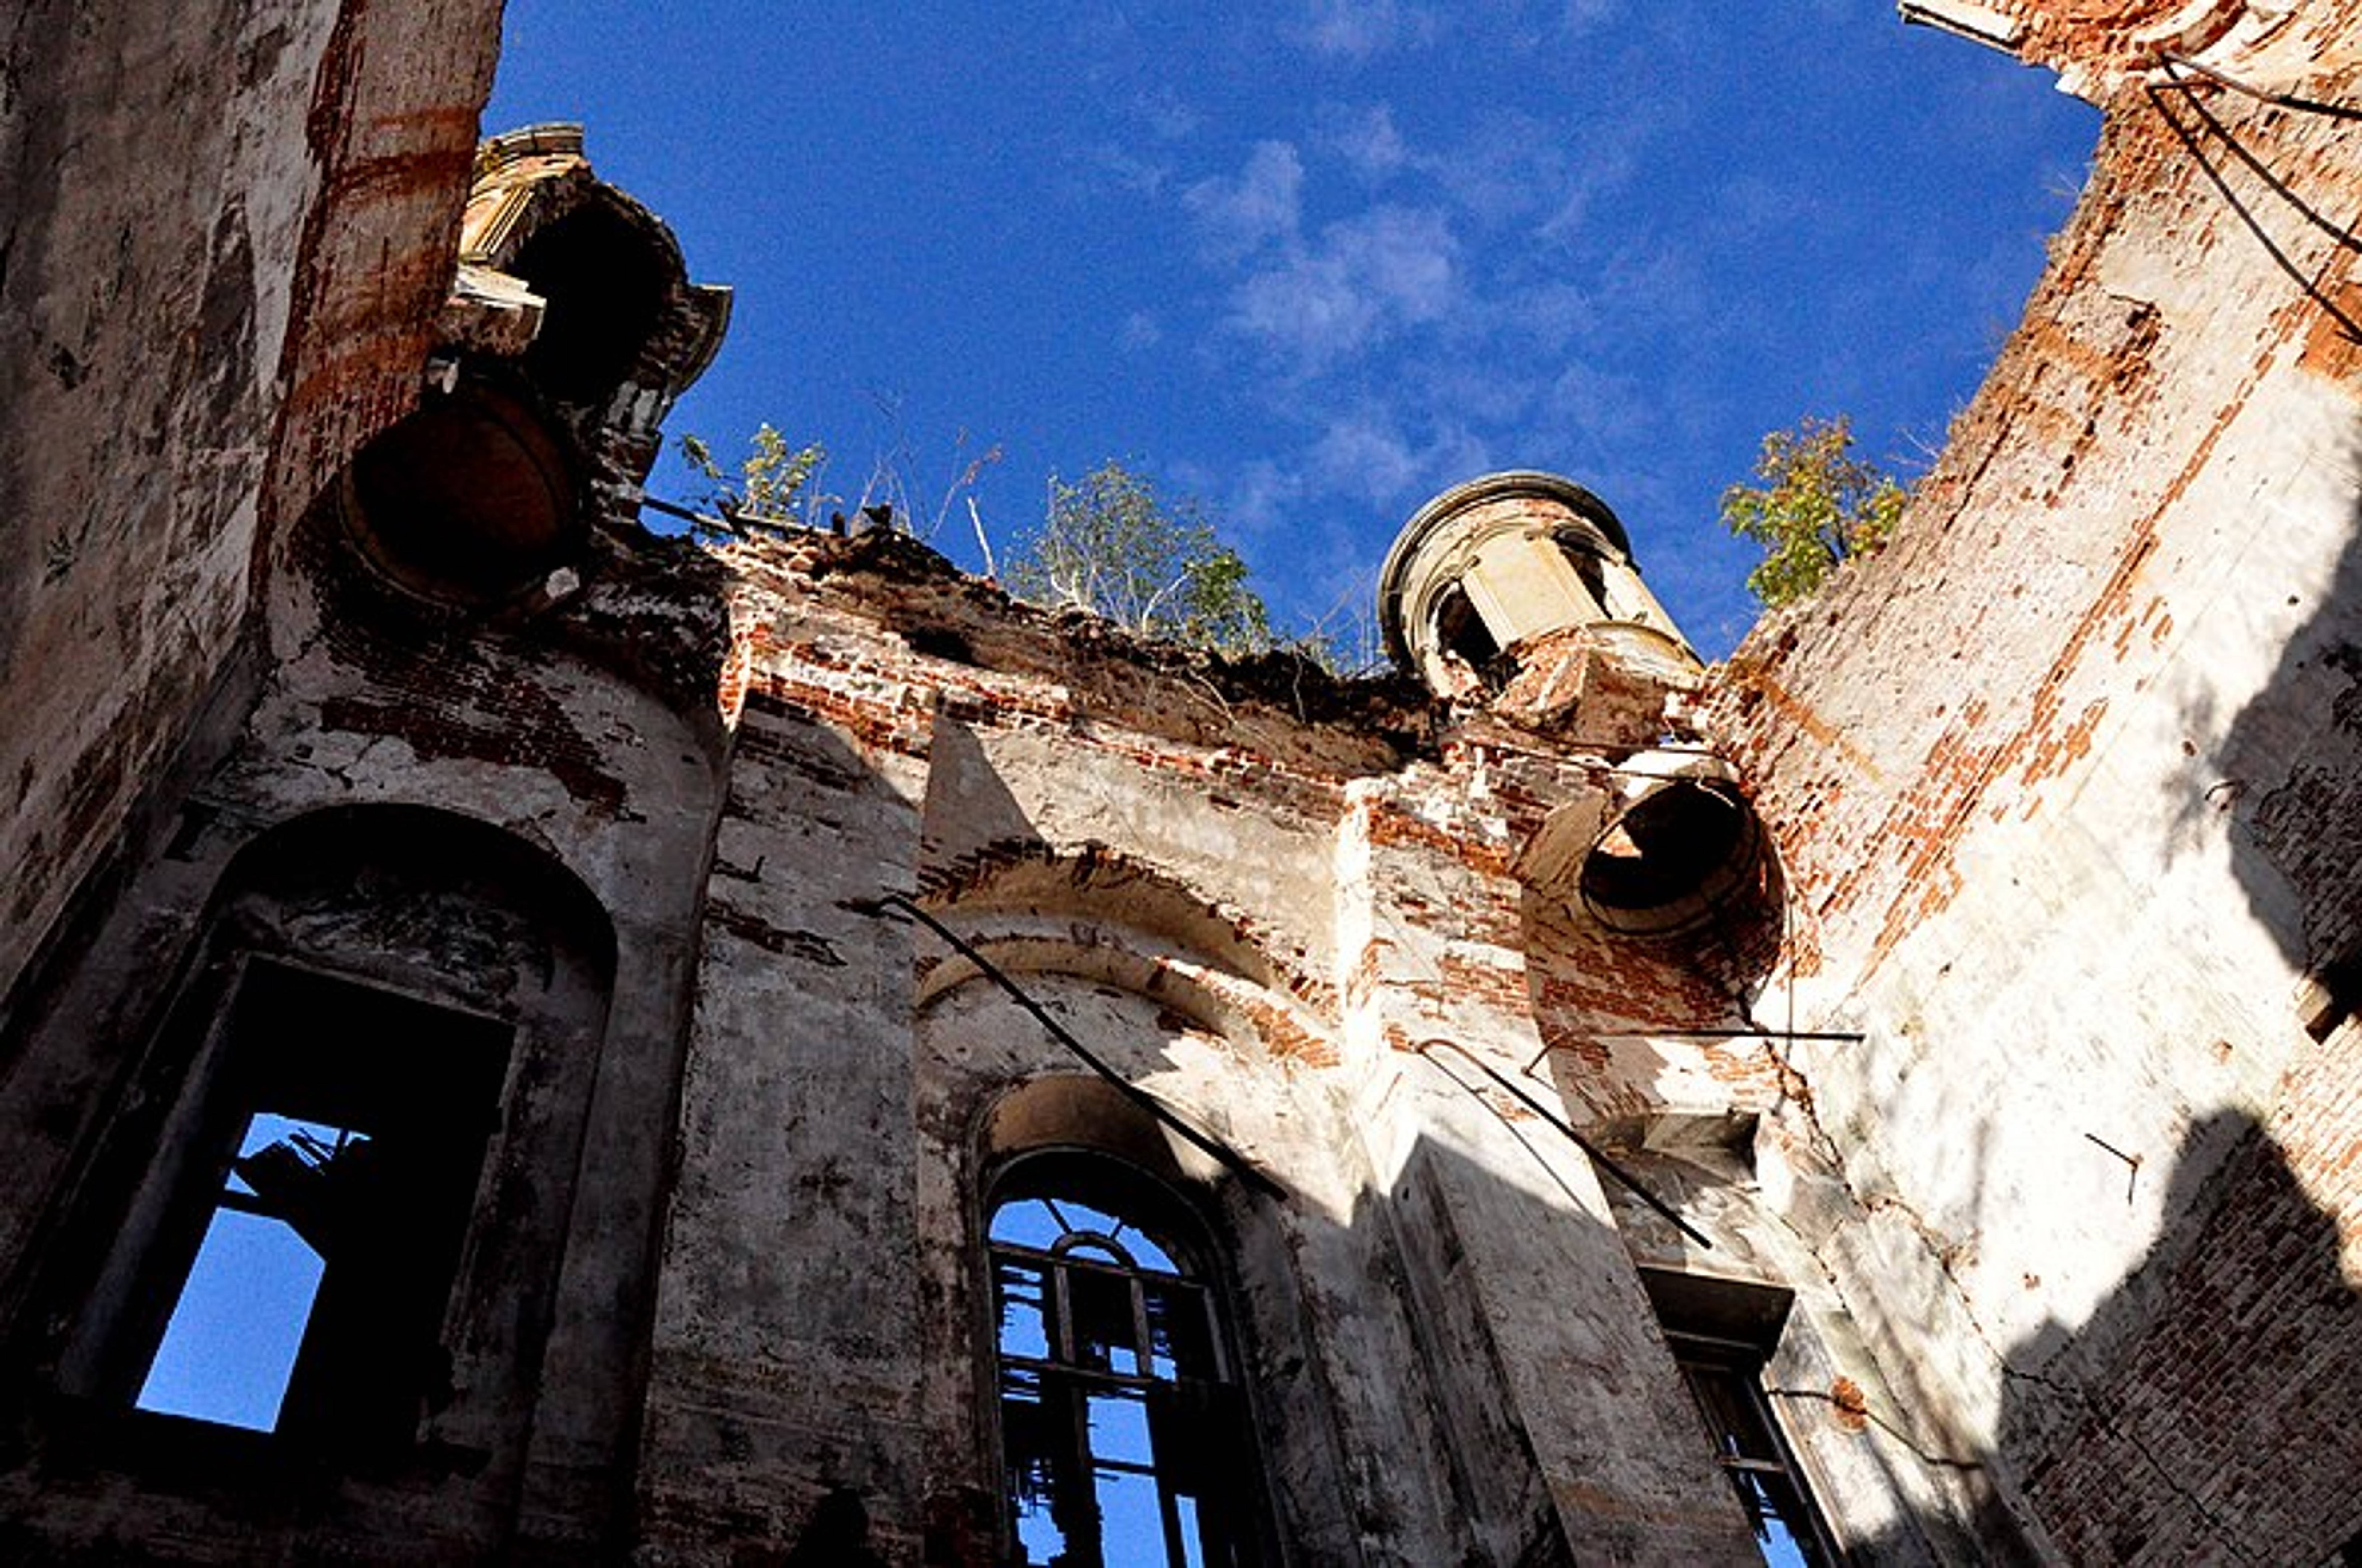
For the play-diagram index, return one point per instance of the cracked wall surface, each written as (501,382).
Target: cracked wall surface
(197,324)
(2063,784)
(2021,1074)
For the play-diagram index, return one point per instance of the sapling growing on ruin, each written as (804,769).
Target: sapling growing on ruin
(774,488)
(1817,507)
(1109,545)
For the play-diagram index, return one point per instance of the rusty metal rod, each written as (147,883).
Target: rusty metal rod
(1791,1035)
(1631,1183)
(2261,94)
(673,509)
(1231,1160)
(1849,1036)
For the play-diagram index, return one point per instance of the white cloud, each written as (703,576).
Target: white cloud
(1128,169)
(1140,332)
(1366,278)
(1262,206)
(1357,29)
(1366,140)
(1603,165)
(1550,314)
(1165,115)
(1510,166)
(1583,17)
(1262,495)
(1364,453)
(1592,411)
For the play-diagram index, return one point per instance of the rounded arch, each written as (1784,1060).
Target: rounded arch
(423,861)
(1179,1237)
(470,500)
(1101,915)
(1079,1114)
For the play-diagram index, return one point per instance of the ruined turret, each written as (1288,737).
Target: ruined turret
(1517,591)
(569,331)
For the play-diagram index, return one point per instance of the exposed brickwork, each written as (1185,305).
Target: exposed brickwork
(2099,45)
(2059,1191)
(2063,789)
(198,329)
(2219,1426)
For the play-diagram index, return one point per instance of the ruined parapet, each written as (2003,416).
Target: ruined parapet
(570,329)
(2100,47)
(1518,591)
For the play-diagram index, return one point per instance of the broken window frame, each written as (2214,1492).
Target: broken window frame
(1196,1419)
(1722,1333)
(372,1358)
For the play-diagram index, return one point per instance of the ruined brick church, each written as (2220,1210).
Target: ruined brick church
(783,1055)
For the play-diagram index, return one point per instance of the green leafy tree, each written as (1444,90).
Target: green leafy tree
(773,486)
(1110,546)
(1817,507)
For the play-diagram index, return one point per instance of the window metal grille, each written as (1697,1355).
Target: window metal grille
(1123,1427)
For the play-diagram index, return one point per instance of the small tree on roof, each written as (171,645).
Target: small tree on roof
(1109,545)
(773,489)
(1819,507)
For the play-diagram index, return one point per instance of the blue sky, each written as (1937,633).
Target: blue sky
(1313,262)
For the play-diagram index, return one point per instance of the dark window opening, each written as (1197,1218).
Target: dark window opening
(1721,1333)
(311,1266)
(603,282)
(1584,556)
(1461,632)
(1125,1433)
(1671,860)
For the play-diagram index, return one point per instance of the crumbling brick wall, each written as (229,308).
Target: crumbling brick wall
(2066,790)
(225,251)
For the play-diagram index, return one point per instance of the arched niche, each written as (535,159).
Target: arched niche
(470,501)
(398,981)
(1671,844)
(1113,917)
(1077,1112)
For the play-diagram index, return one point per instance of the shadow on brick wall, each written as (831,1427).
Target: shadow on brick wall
(2205,1410)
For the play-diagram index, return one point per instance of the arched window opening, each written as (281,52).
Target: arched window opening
(1124,1427)
(312,1260)
(605,283)
(1461,632)
(1583,554)
(287,1230)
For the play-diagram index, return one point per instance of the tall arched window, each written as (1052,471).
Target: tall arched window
(1124,1429)
(322,1218)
